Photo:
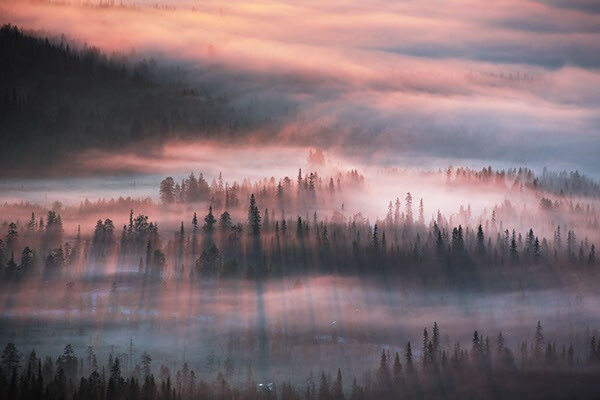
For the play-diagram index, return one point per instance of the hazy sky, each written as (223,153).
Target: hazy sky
(504,82)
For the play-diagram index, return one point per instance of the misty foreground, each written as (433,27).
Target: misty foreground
(486,369)
(286,279)
(321,337)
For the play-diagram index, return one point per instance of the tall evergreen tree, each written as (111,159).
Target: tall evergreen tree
(209,222)
(254,217)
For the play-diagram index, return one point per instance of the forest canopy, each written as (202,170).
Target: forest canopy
(57,100)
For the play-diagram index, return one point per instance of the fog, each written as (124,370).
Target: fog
(270,192)
(116,174)
(321,323)
(384,84)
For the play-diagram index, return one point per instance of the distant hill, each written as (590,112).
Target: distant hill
(56,100)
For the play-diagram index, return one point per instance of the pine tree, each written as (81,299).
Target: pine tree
(11,237)
(375,240)
(397,211)
(324,388)
(254,217)
(435,341)
(424,353)
(538,342)
(31,224)
(10,357)
(167,190)
(409,213)
(27,259)
(225,222)
(480,241)
(397,369)
(408,356)
(421,213)
(536,249)
(195,230)
(299,228)
(514,254)
(570,355)
(209,222)
(338,388)
(499,344)
(383,373)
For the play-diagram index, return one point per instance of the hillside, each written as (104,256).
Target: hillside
(56,100)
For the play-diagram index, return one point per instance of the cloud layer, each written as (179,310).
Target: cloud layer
(502,82)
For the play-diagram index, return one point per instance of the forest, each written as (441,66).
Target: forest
(283,200)
(215,278)
(58,98)
(277,228)
(485,368)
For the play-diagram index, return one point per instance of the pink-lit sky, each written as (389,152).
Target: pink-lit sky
(497,81)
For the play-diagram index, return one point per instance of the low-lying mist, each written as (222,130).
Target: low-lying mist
(275,200)
(339,81)
(321,323)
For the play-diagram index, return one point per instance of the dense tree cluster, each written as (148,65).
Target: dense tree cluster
(249,232)
(486,368)
(285,193)
(561,183)
(56,99)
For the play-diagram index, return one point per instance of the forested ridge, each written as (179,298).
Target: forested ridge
(57,100)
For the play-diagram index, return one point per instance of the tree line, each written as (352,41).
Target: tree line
(58,99)
(237,237)
(485,368)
